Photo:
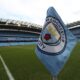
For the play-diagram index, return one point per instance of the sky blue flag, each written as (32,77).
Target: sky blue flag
(55,43)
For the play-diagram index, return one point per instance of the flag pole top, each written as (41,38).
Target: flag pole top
(54,78)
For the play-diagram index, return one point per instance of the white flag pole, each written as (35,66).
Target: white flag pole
(54,78)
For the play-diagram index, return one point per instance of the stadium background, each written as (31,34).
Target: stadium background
(17,32)
(14,32)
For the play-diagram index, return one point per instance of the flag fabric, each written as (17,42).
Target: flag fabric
(55,43)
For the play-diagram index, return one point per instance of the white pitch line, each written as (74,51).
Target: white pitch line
(6,69)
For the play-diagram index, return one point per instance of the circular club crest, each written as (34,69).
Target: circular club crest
(52,40)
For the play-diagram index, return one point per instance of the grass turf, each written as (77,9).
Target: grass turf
(24,64)
(3,75)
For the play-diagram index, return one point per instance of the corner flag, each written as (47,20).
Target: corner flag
(55,43)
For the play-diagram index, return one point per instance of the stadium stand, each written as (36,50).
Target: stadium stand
(76,31)
(19,31)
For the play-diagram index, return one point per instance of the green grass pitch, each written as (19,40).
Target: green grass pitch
(24,64)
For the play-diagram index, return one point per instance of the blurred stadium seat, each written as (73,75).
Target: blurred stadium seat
(19,31)
(76,31)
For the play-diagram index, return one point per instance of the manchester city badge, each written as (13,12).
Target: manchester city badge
(52,40)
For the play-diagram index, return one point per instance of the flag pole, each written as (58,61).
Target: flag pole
(54,78)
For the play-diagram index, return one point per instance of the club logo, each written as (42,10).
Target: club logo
(52,40)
